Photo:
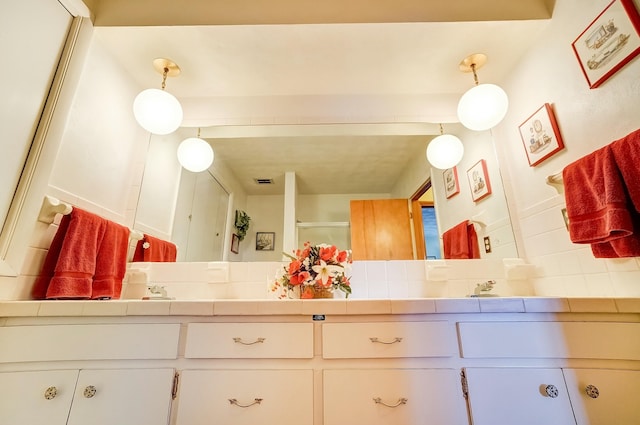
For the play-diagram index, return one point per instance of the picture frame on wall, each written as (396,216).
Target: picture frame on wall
(540,135)
(235,243)
(265,241)
(451,184)
(609,42)
(479,183)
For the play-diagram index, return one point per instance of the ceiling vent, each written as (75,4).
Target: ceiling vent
(263,181)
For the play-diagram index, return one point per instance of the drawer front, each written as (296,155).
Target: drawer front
(388,340)
(603,397)
(245,397)
(585,340)
(89,342)
(249,340)
(393,397)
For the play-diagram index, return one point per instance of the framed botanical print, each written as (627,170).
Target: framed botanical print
(479,181)
(450,179)
(609,42)
(540,135)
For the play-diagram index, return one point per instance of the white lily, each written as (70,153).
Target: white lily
(325,270)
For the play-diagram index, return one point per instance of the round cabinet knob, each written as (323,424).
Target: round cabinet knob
(90,391)
(592,391)
(50,393)
(551,391)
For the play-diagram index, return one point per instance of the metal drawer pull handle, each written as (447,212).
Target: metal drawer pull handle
(551,391)
(396,339)
(235,401)
(50,393)
(401,401)
(592,391)
(257,341)
(90,391)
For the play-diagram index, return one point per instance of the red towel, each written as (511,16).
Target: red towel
(595,198)
(39,290)
(111,262)
(461,242)
(153,249)
(76,259)
(626,152)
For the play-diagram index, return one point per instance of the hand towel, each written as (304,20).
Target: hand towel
(461,242)
(154,249)
(111,262)
(596,199)
(626,152)
(39,290)
(76,263)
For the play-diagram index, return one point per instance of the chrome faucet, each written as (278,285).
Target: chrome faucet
(484,287)
(158,291)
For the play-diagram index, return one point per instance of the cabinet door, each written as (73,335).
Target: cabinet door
(518,396)
(604,397)
(36,398)
(393,397)
(122,397)
(245,397)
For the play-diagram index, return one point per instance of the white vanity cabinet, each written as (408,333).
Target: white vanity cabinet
(79,397)
(393,397)
(245,397)
(604,396)
(522,396)
(396,395)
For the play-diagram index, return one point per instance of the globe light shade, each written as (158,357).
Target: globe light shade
(195,154)
(482,107)
(445,151)
(157,111)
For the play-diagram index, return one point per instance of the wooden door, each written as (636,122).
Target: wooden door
(381,230)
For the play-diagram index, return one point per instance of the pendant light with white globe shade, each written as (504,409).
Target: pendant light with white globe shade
(485,105)
(445,151)
(195,154)
(158,111)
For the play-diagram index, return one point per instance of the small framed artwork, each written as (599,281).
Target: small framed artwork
(235,243)
(265,241)
(609,42)
(451,185)
(540,135)
(479,181)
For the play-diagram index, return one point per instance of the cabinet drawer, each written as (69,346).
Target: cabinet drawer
(388,339)
(249,340)
(88,342)
(393,397)
(245,397)
(584,340)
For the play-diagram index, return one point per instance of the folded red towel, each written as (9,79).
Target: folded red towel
(461,242)
(595,199)
(76,263)
(153,249)
(111,262)
(626,152)
(39,290)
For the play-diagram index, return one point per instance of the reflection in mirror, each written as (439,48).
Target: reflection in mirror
(332,164)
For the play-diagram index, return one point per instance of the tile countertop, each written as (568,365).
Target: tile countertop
(308,307)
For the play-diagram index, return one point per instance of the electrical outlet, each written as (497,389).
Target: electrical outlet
(487,244)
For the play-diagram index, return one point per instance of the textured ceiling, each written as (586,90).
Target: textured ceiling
(346,64)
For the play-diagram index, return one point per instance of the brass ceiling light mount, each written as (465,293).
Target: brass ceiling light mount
(157,110)
(484,105)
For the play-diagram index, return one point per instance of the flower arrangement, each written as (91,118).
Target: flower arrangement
(314,269)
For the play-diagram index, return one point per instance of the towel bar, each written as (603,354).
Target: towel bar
(557,182)
(52,206)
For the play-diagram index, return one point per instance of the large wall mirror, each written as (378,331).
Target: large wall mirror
(332,163)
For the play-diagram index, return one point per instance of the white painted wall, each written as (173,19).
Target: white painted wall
(588,119)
